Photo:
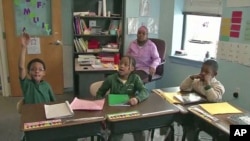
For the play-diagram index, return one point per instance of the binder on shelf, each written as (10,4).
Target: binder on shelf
(61,110)
(106,49)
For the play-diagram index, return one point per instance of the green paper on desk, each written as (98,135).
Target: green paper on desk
(118,100)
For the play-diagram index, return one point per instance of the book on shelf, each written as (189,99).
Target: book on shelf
(83,44)
(110,47)
(60,110)
(106,49)
(76,46)
(79,25)
(86,56)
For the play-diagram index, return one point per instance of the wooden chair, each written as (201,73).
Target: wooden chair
(162,49)
(93,90)
(94,87)
(19,105)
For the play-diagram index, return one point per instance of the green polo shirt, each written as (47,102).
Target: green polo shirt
(134,87)
(36,92)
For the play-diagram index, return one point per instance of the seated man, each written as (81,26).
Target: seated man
(145,53)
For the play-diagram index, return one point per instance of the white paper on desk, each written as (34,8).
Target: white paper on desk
(81,104)
(61,110)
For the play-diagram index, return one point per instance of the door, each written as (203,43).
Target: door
(50,51)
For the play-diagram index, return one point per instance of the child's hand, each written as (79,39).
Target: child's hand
(207,79)
(133,101)
(25,38)
(195,76)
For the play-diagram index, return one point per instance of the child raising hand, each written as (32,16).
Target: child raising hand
(34,88)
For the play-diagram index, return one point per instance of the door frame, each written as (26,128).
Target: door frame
(3,58)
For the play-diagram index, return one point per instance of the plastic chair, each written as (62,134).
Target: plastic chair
(162,49)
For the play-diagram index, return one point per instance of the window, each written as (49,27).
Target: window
(201,35)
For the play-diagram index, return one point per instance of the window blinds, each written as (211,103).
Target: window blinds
(203,6)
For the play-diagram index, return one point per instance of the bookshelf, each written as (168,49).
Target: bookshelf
(96,34)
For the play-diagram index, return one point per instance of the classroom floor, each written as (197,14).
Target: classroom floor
(10,122)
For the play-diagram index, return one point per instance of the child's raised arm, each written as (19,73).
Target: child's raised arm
(25,38)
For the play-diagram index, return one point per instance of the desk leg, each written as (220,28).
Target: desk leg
(170,133)
(100,137)
(152,134)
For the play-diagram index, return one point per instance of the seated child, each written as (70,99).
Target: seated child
(34,89)
(125,82)
(205,84)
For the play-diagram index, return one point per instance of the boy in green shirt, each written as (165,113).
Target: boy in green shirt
(35,89)
(125,82)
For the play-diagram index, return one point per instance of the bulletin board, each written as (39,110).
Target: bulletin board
(234,44)
(33,16)
(146,17)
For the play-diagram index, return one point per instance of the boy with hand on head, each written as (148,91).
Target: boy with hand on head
(125,82)
(34,89)
(205,82)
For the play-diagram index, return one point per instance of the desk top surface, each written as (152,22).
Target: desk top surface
(153,106)
(35,113)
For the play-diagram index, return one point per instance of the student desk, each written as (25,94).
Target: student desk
(217,129)
(68,131)
(184,117)
(88,75)
(155,113)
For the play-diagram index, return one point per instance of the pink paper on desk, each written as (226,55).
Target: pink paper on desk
(81,104)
